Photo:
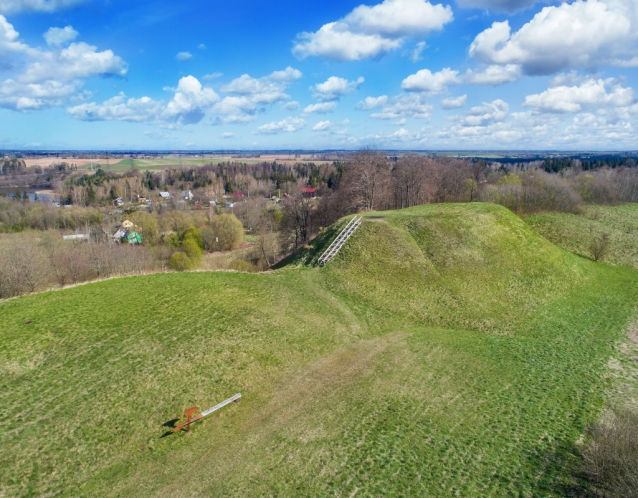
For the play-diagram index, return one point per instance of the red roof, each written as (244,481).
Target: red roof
(308,190)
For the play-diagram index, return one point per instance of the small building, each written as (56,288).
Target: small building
(118,202)
(230,204)
(141,198)
(309,192)
(238,195)
(127,235)
(187,195)
(165,195)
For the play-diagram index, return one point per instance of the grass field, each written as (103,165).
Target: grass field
(574,233)
(447,350)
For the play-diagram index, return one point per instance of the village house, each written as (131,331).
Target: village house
(187,195)
(118,202)
(309,192)
(165,195)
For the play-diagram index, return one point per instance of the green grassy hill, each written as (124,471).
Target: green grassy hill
(574,233)
(447,350)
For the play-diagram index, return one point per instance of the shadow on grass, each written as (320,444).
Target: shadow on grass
(171,425)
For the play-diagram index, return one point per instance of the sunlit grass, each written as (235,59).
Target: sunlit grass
(447,350)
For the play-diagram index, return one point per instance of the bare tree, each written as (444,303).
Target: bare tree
(599,246)
(366,178)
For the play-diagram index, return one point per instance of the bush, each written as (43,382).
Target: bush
(611,458)
(179,262)
(226,233)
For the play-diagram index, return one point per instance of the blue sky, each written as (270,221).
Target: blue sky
(251,74)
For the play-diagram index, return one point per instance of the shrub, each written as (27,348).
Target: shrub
(611,457)
(193,251)
(225,233)
(179,262)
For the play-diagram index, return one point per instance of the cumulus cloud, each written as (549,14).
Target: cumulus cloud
(582,34)
(321,108)
(497,5)
(402,106)
(334,88)
(454,102)
(426,81)
(291,106)
(227,135)
(322,126)
(47,78)
(15,6)
(590,94)
(184,56)
(493,75)
(249,95)
(288,125)
(370,32)
(187,106)
(60,36)
(485,114)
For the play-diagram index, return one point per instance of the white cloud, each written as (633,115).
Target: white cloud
(14,6)
(33,96)
(60,36)
(493,75)
(249,95)
(370,32)
(184,56)
(497,5)
(334,88)
(426,81)
(582,34)
(201,46)
(118,108)
(47,78)
(370,103)
(78,60)
(212,76)
(291,106)
(288,125)
(187,106)
(321,108)
(402,106)
(322,126)
(418,50)
(590,94)
(454,103)
(227,135)
(486,114)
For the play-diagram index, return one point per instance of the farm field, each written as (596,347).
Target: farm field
(447,350)
(574,233)
(158,164)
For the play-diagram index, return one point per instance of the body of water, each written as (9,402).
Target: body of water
(42,197)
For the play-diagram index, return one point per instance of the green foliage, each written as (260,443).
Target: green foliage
(194,234)
(446,350)
(225,233)
(180,262)
(147,225)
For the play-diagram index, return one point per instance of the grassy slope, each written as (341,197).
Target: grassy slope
(446,350)
(574,233)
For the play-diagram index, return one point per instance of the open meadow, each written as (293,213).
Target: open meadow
(448,350)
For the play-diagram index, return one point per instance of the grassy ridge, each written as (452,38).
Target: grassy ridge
(574,233)
(446,350)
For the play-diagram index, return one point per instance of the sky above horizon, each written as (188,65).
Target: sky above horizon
(252,74)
